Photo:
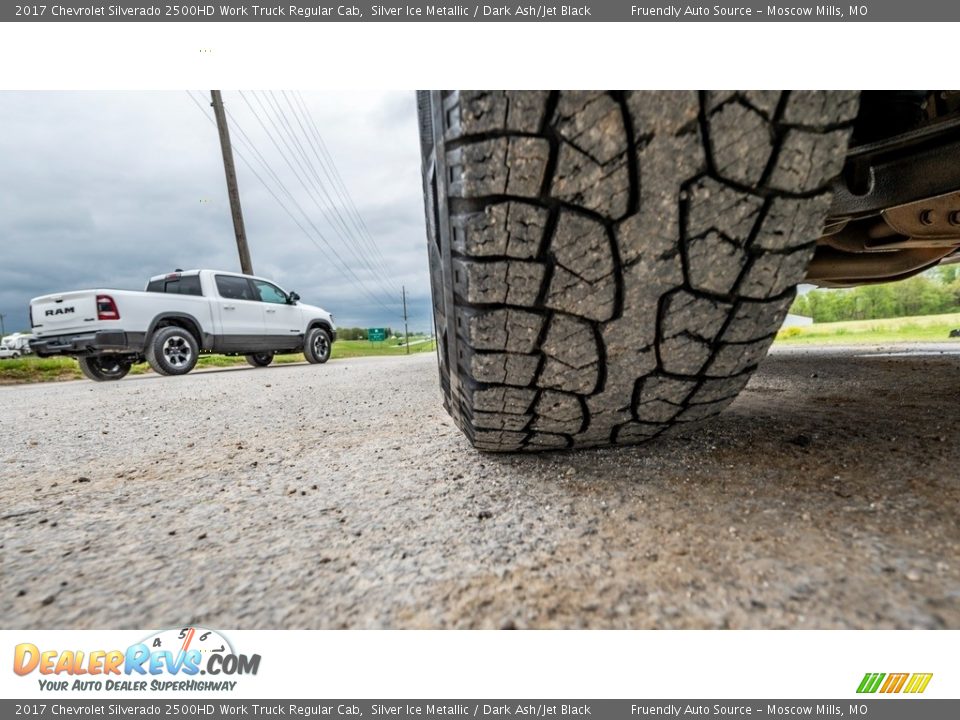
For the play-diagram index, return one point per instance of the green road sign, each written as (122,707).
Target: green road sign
(376,334)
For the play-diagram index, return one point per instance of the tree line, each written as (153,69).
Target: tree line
(934,292)
(356,333)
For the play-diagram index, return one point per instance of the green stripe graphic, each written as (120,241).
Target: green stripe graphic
(871,682)
(876,685)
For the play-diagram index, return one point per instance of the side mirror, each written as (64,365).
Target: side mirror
(293,297)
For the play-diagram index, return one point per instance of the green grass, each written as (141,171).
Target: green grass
(34,369)
(929,328)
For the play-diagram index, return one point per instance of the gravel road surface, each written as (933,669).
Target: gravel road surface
(341,496)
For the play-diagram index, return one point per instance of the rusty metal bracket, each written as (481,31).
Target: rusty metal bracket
(834,267)
(935,219)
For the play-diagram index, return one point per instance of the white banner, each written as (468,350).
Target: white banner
(450,664)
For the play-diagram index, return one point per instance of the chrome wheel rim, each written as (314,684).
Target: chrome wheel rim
(320,345)
(177,351)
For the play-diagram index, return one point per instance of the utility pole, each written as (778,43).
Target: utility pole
(406,332)
(246,266)
(3,330)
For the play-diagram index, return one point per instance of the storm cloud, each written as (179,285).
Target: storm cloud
(107,189)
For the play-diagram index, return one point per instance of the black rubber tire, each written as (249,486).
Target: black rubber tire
(606,265)
(317,346)
(101,368)
(172,362)
(260,360)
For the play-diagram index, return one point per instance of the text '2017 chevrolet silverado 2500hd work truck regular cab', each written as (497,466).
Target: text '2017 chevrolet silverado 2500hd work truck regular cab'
(179,316)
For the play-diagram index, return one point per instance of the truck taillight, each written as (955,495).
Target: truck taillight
(107,308)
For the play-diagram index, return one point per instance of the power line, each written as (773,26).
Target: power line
(372,256)
(305,187)
(303,155)
(367,257)
(345,194)
(367,249)
(340,185)
(340,189)
(344,267)
(312,194)
(371,250)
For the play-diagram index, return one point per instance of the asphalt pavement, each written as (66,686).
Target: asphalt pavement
(342,496)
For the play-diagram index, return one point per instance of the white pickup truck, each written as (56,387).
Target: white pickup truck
(13,346)
(178,316)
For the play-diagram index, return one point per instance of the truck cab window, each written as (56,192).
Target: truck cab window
(186,285)
(234,288)
(270,293)
(190,285)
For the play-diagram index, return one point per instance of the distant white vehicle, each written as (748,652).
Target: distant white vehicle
(13,346)
(180,315)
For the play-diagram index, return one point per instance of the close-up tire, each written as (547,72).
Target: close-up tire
(316,346)
(606,265)
(172,351)
(104,367)
(260,360)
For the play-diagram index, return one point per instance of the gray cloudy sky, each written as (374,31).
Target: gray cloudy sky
(107,189)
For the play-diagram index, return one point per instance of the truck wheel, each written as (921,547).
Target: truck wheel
(172,351)
(316,346)
(104,367)
(606,265)
(261,359)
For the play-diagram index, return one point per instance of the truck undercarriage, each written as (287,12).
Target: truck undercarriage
(896,208)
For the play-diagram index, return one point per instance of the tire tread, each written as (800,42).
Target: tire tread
(619,262)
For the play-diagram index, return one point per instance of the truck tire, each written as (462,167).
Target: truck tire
(101,368)
(261,359)
(172,351)
(607,265)
(316,345)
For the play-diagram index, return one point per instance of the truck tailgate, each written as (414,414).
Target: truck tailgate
(64,312)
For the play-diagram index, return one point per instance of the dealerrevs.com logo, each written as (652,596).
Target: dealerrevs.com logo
(911,683)
(168,660)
